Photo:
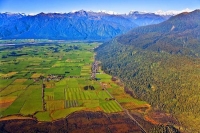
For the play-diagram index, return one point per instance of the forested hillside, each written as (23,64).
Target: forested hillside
(167,78)
(178,35)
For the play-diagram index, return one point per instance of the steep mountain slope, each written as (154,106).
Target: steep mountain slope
(180,34)
(80,25)
(9,17)
(143,19)
(160,64)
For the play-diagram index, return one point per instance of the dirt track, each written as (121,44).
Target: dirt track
(16,117)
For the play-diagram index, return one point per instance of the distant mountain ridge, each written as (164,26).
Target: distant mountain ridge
(179,34)
(79,25)
(143,19)
(8,17)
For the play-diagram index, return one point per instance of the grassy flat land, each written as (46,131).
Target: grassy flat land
(63,71)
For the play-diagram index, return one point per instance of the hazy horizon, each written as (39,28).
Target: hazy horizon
(111,6)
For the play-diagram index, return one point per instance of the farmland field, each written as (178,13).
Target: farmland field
(51,81)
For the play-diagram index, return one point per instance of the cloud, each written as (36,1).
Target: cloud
(108,12)
(172,12)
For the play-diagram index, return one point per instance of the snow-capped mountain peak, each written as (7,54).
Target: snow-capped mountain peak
(107,12)
(137,12)
(171,12)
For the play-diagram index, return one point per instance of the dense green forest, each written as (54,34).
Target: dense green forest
(169,82)
(178,35)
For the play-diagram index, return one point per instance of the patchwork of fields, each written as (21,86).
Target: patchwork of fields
(51,81)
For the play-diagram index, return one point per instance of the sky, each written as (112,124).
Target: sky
(117,6)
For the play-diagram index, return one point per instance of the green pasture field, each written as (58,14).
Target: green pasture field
(110,106)
(43,116)
(63,70)
(4,83)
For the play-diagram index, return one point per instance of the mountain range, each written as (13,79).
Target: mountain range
(180,34)
(79,25)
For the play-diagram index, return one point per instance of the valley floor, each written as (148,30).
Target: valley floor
(51,83)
